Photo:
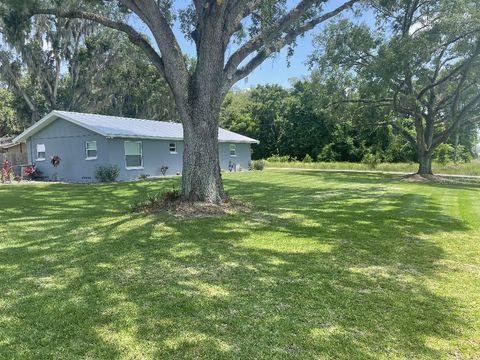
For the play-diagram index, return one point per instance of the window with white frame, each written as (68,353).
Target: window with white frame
(233,150)
(133,155)
(40,152)
(173,148)
(90,150)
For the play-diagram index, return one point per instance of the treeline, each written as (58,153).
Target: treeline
(333,115)
(304,122)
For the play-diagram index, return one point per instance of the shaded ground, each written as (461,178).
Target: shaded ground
(325,265)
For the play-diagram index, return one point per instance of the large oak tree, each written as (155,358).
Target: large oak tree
(252,29)
(421,60)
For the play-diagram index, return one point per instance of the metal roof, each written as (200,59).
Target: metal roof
(121,127)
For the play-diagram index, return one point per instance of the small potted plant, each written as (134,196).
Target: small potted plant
(55,161)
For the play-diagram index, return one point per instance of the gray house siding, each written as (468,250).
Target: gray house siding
(156,154)
(242,158)
(67,140)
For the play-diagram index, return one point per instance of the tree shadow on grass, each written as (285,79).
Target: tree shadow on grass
(311,271)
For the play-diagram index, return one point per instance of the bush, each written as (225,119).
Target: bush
(444,153)
(328,154)
(107,173)
(156,201)
(372,160)
(6,172)
(143,176)
(257,165)
(463,155)
(279,158)
(307,159)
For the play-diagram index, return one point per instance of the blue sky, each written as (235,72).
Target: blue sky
(276,70)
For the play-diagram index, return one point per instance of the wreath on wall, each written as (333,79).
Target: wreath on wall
(55,160)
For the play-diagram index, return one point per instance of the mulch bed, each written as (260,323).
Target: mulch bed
(191,210)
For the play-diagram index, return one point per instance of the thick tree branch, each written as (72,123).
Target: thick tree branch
(236,11)
(272,41)
(410,138)
(14,81)
(448,76)
(175,68)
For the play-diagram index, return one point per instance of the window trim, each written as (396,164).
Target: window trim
(141,156)
(234,148)
(44,153)
(170,148)
(86,150)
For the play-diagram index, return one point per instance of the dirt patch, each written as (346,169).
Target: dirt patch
(415,178)
(438,179)
(190,210)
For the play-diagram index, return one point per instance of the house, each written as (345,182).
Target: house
(138,147)
(16,153)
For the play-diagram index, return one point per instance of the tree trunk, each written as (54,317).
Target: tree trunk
(425,162)
(35,116)
(201,178)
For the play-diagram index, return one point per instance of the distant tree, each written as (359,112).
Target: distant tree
(9,124)
(268,107)
(421,61)
(112,76)
(236,115)
(38,48)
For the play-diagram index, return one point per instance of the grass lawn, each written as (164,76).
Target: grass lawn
(467,169)
(326,266)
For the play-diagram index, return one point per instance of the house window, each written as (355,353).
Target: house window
(173,148)
(133,155)
(233,150)
(90,150)
(40,152)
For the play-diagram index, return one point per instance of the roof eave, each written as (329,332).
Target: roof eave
(122,136)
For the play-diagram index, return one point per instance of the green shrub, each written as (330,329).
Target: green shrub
(328,154)
(444,153)
(257,165)
(307,159)
(279,158)
(463,155)
(372,160)
(156,201)
(108,173)
(143,177)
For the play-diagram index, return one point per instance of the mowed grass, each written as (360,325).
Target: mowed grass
(325,266)
(466,169)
